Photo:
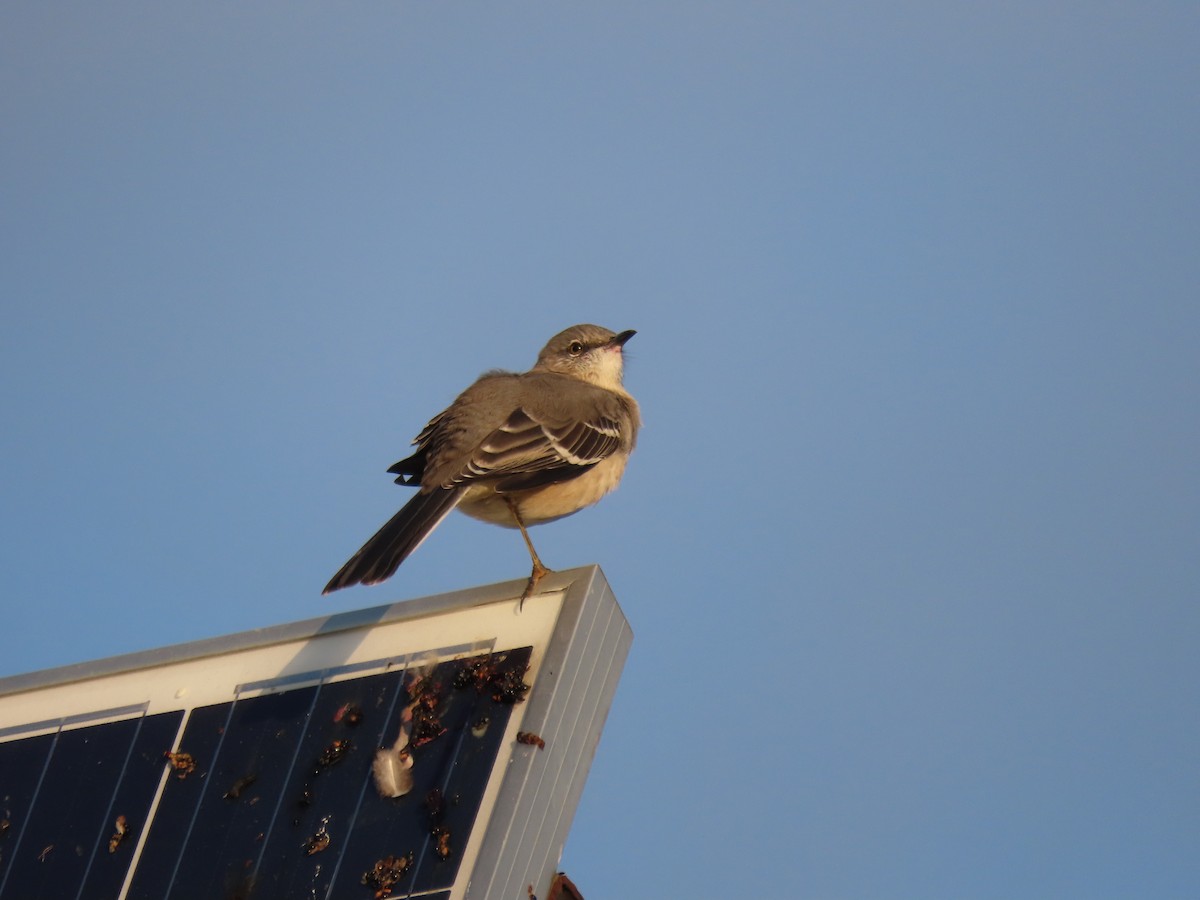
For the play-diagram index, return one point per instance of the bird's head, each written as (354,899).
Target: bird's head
(587,352)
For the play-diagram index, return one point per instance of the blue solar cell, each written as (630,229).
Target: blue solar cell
(69,790)
(22,765)
(268,795)
(143,768)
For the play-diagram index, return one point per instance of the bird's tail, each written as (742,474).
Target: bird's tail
(401,535)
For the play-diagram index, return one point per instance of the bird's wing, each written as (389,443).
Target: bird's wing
(529,450)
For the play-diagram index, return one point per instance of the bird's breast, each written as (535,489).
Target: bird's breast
(544,504)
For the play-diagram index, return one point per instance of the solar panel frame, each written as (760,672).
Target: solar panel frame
(578,640)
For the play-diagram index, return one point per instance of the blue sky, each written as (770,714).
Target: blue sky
(911,541)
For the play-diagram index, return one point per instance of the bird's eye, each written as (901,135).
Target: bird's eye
(575,348)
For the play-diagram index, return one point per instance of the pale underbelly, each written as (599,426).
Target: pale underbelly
(545,504)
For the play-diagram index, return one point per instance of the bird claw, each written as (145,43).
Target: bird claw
(539,572)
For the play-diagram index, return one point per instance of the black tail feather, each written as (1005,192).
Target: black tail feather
(379,557)
(411,469)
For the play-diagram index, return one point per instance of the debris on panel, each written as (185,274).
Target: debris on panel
(488,674)
(333,754)
(236,789)
(318,841)
(121,827)
(182,763)
(528,737)
(386,873)
(349,713)
(392,767)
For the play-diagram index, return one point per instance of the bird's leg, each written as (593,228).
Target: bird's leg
(539,571)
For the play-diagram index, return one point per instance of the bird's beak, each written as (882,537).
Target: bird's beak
(620,339)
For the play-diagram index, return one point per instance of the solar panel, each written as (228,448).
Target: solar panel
(435,748)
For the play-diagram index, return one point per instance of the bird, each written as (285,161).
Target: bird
(516,450)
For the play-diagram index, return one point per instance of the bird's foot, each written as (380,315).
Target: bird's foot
(539,572)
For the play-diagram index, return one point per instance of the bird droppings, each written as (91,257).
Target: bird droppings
(182,763)
(505,684)
(386,873)
(120,832)
(528,737)
(319,841)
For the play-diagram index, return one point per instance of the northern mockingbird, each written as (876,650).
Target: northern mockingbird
(514,450)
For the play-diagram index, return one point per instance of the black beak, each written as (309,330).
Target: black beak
(620,339)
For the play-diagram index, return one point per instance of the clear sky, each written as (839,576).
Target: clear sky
(911,541)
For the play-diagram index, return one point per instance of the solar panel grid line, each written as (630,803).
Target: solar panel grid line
(143,832)
(8,870)
(308,738)
(107,816)
(483,810)
(265,685)
(424,856)
(420,856)
(85,771)
(196,812)
(291,768)
(358,795)
(380,741)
